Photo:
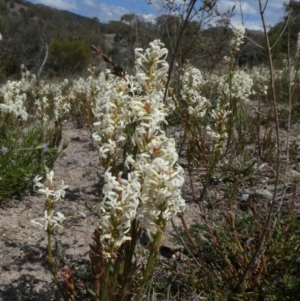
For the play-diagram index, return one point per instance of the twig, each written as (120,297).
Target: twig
(202,264)
(246,37)
(288,124)
(192,4)
(272,202)
(283,30)
(117,70)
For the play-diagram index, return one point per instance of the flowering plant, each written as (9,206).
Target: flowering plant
(143,179)
(52,194)
(29,139)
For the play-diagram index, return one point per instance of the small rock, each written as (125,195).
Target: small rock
(245,196)
(214,195)
(263,193)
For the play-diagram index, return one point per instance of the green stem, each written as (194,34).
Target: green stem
(103,296)
(231,107)
(118,269)
(147,274)
(129,255)
(49,207)
(183,141)
(51,263)
(212,164)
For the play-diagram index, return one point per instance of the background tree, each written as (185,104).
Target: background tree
(29,31)
(68,57)
(3,13)
(280,49)
(28,34)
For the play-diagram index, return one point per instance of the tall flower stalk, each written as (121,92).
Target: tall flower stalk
(143,179)
(52,194)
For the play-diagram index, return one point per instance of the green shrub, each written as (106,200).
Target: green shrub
(67,57)
(223,253)
(23,155)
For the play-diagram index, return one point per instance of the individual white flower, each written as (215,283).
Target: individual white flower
(46,191)
(60,192)
(129,161)
(49,178)
(110,179)
(49,220)
(50,189)
(36,182)
(132,184)
(96,139)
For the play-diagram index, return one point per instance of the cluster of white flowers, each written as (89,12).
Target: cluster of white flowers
(261,77)
(290,71)
(236,88)
(241,86)
(52,195)
(15,94)
(87,88)
(51,95)
(13,99)
(112,111)
(238,38)
(152,75)
(217,131)
(192,84)
(260,73)
(130,117)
